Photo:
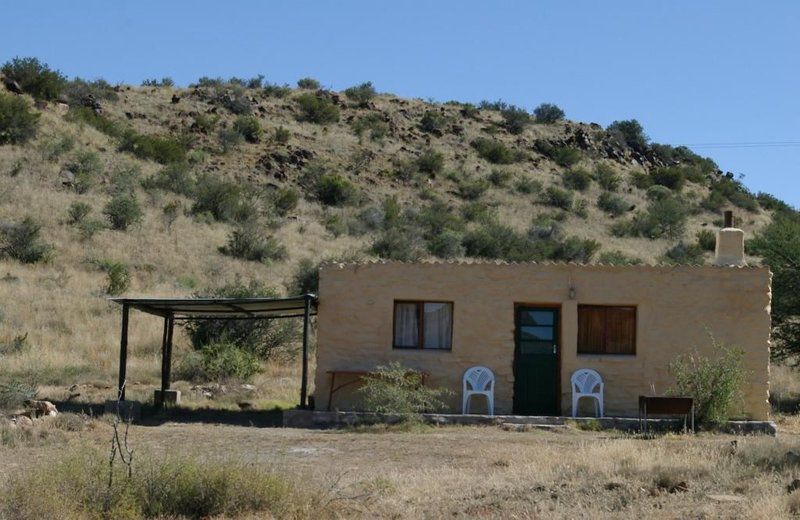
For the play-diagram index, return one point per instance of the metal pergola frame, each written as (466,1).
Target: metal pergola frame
(190,309)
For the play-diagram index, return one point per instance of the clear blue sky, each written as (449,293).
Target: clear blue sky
(690,71)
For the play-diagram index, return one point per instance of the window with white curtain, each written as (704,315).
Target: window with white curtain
(420,324)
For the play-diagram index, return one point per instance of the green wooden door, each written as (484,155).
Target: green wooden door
(536,368)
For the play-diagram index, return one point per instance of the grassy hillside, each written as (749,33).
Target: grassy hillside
(241,180)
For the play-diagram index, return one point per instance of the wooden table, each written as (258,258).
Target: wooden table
(358,375)
(666,405)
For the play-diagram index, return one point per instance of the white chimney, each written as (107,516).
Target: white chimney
(730,244)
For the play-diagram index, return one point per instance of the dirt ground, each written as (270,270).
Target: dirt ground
(485,471)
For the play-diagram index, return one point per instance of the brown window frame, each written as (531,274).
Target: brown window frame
(605,330)
(421,324)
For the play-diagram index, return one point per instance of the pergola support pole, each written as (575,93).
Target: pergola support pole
(123,353)
(165,383)
(304,382)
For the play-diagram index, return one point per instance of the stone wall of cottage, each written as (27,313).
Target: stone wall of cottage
(677,308)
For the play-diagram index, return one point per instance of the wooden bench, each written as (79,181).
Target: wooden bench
(357,375)
(665,405)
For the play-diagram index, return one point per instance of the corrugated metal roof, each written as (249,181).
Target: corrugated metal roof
(222,308)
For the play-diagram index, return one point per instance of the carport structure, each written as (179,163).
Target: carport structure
(189,309)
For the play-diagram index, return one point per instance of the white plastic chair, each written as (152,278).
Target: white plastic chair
(587,383)
(478,381)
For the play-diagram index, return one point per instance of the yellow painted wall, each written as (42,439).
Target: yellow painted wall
(677,307)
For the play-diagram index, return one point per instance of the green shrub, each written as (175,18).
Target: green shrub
(361,94)
(577,179)
(732,190)
(618,258)
(175,178)
(169,213)
(715,383)
(658,192)
(472,188)
(77,212)
(117,276)
(18,123)
(612,204)
(771,202)
(305,279)
(263,338)
(672,177)
(249,128)
(285,200)
(124,179)
(475,211)
(494,151)
(162,149)
(374,123)
(225,201)
(218,362)
(396,389)
(665,218)
(86,167)
(233,97)
(580,207)
(629,132)
(606,176)
(163,82)
(308,83)
(89,227)
(333,189)
(548,113)
(515,119)
(433,122)
(528,186)
(281,135)
(557,197)
(435,219)
(247,241)
(79,91)
(123,211)
(684,254)
(566,156)
(492,240)
(276,91)
(97,121)
(707,240)
(204,123)
(446,244)
(21,241)
(500,177)
(317,109)
(641,179)
(229,139)
(431,162)
(404,169)
(14,393)
(35,78)
(397,244)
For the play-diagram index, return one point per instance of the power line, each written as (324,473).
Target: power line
(746,144)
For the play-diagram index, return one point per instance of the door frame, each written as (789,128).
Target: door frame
(554,306)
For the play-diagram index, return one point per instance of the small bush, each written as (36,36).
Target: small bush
(577,179)
(15,345)
(665,218)
(548,113)
(204,123)
(89,227)
(629,132)
(494,151)
(566,156)
(249,128)
(77,212)
(224,200)
(446,244)
(606,176)
(398,244)
(18,123)
(374,123)
(433,122)
(476,211)
(612,204)
(515,119)
(281,135)
(285,200)
(671,177)
(308,83)
(248,242)
(162,149)
(430,162)
(35,78)
(395,389)
(404,169)
(86,167)
(361,94)
(557,197)
(218,362)
(169,213)
(707,240)
(21,241)
(684,254)
(658,192)
(618,258)
(276,91)
(117,275)
(714,382)
(581,208)
(333,189)
(175,178)
(528,186)
(317,109)
(305,279)
(97,121)
(229,139)
(262,338)
(500,177)
(14,393)
(472,188)
(123,211)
